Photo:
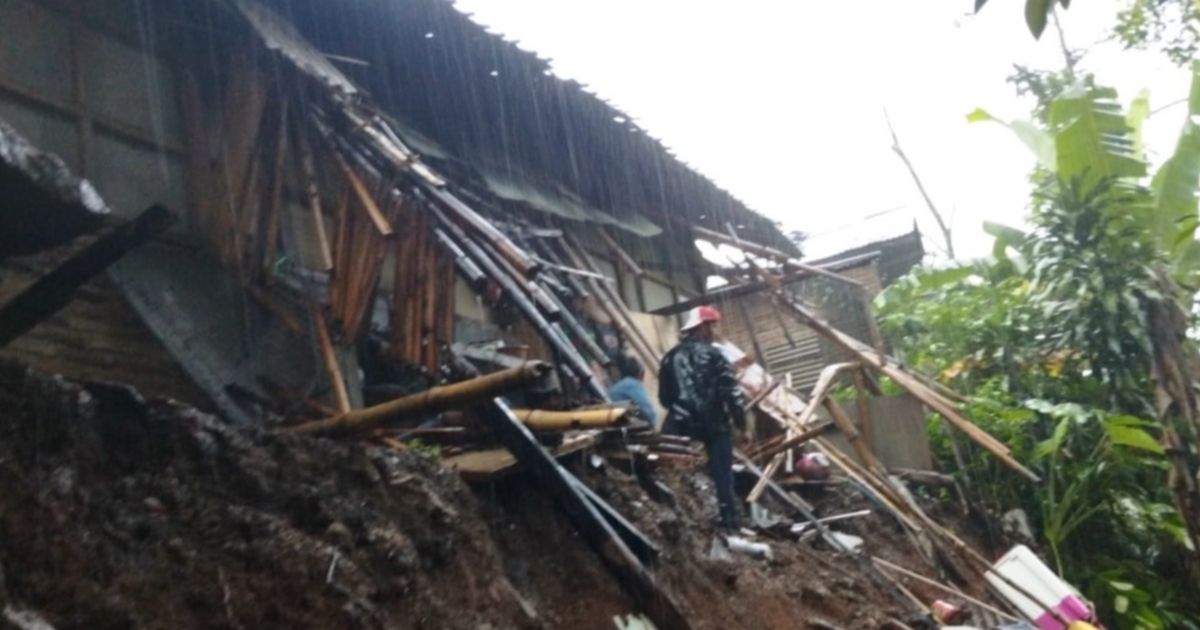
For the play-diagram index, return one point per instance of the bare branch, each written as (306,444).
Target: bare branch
(937,215)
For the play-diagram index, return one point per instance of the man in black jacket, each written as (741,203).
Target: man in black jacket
(700,393)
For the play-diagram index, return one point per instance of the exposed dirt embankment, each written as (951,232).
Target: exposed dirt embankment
(119,513)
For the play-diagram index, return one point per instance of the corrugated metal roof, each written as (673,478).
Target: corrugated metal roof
(490,103)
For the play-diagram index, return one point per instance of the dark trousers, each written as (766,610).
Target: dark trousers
(719,446)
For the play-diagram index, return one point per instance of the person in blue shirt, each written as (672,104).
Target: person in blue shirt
(630,387)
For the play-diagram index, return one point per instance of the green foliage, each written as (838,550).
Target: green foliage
(1174,187)
(1172,26)
(1091,137)
(424,449)
(1034,137)
(1046,85)
(1049,340)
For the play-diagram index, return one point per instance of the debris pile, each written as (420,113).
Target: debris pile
(119,512)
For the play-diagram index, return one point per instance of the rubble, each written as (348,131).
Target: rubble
(155,515)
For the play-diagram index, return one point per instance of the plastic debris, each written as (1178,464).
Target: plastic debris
(750,548)
(850,542)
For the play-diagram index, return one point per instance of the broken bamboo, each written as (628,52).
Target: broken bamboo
(942,587)
(614,307)
(553,335)
(430,401)
(869,357)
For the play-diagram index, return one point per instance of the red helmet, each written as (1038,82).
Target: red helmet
(700,315)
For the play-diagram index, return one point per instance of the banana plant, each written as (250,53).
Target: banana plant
(1091,141)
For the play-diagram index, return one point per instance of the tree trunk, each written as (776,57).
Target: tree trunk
(1175,370)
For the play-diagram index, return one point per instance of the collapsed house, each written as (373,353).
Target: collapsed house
(391,226)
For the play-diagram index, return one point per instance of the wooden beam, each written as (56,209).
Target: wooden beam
(820,391)
(53,291)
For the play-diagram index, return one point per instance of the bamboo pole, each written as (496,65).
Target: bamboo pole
(885,496)
(331,364)
(614,306)
(541,420)
(868,356)
(312,193)
(758,398)
(942,587)
(269,238)
(794,441)
(621,254)
(574,362)
(852,434)
(467,216)
(860,399)
(761,485)
(364,196)
(429,401)
(763,251)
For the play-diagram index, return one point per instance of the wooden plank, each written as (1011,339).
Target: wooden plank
(482,466)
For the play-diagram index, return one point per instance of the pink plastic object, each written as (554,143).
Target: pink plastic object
(813,466)
(1072,608)
(946,612)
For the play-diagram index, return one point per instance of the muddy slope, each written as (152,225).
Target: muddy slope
(122,513)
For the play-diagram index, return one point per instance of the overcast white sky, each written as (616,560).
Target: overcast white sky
(781,102)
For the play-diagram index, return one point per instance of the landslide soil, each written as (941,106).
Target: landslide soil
(117,512)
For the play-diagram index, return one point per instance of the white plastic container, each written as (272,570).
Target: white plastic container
(1022,566)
